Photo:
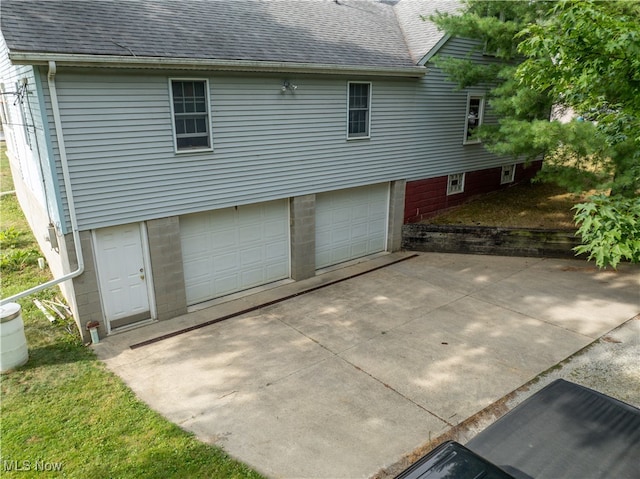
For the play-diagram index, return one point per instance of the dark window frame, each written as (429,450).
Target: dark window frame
(358,111)
(474,117)
(191,114)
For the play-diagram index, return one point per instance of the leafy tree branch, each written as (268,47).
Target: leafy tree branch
(581,57)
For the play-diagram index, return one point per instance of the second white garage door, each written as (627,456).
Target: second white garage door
(351,223)
(233,249)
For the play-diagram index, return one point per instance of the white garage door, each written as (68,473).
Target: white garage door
(233,249)
(351,223)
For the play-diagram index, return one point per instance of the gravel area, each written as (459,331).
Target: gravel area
(610,365)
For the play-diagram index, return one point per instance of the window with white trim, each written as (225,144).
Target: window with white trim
(359,110)
(455,183)
(190,108)
(508,174)
(473,118)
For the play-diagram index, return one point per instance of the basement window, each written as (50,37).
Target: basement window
(508,174)
(455,183)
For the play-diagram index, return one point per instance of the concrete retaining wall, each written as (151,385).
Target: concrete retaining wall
(489,240)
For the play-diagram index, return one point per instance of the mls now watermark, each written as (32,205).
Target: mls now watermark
(26,465)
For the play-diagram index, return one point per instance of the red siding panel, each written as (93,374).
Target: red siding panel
(428,197)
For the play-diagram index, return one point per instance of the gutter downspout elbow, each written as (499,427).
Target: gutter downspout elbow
(51,75)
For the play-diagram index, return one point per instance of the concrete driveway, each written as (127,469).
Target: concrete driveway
(347,379)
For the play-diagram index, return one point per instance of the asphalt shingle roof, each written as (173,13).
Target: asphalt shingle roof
(340,32)
(421,36)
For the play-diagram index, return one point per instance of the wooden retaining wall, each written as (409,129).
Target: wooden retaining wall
(489,240)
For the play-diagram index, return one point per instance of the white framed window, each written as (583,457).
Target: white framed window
(190,112)
(359,110)
(473,118)
(508,174)
(455,183)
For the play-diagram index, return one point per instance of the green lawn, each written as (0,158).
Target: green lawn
(65,410)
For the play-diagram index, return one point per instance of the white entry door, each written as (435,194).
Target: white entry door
(122,274)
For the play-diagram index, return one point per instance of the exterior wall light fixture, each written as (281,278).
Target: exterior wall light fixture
(287,85)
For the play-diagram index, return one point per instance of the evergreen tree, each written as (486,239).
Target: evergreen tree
(577,57)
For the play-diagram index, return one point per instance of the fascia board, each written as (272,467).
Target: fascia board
(431,53)
(113,61)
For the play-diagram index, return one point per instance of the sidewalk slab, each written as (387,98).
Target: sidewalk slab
(345,380)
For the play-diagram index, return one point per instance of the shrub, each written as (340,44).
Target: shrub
(17,259)
(610,229)
(12,238)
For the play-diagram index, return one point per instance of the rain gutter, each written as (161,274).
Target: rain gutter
(127,61)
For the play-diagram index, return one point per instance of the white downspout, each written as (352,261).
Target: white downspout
(67,186)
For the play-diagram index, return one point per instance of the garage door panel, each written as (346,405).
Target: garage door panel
(322,238)
(223,263)
(224,285)
(252,277)
(375,226)
(249,234)
(361,211)
(273,229)
(222,239)
(229,250)
(250,214)
(200,289)
(277,270)
(274,251)
(351,223)
(340,235)
(361,231)
(195,245)
(378,245)
(323,219)
(225,216)
(342,251)
(196,269)
(360,249)
(341,216)
(251,257)
(323,257)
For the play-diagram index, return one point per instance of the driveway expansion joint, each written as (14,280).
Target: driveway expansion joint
(359,369)
(403,396)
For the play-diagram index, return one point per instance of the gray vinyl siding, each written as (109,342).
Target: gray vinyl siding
(266,144)
(29,145)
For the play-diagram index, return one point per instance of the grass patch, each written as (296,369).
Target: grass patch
(536,205)
(65,408)
(6,180)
